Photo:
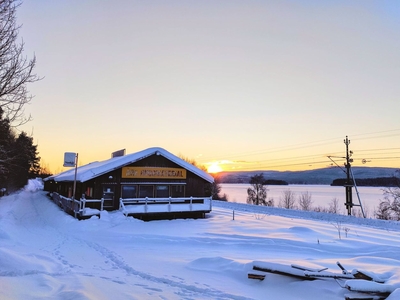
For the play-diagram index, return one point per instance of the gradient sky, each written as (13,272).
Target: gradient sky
(256,84)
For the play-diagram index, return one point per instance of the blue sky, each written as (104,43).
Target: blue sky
(258,84)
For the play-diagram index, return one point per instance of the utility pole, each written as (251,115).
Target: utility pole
(349,184)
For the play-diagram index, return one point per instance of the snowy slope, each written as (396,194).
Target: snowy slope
(46,254)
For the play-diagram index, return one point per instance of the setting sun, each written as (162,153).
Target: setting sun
(214,168)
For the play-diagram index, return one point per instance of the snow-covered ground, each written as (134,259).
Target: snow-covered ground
(46,254)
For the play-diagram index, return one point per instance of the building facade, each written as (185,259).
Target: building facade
(153,173)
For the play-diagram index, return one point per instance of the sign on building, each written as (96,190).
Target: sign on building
(155,173)
(69,159)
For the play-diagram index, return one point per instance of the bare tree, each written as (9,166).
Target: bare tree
(346,230)
(257,193)
(271,202)
(288,199)
(16,70)
(392,196)
(396,209)
(389,207)
(383,212)
(338,226)
(334,206)
(305,201)
(320,209)
(216,190)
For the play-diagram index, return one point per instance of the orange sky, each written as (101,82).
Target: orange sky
(242,85)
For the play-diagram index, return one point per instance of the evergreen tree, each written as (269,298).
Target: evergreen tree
(19,159)
(25,161)
(6,142)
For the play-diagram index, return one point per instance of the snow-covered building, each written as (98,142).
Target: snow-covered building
(148,182)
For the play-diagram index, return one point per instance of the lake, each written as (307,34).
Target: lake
(322,195)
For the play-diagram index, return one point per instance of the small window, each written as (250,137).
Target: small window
(108,189)
(146,191)
(128,191)
(89,192)
(162,191)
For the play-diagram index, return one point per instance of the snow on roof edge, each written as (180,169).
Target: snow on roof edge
(95,169)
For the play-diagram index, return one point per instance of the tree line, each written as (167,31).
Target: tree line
(378,181)
(19,158)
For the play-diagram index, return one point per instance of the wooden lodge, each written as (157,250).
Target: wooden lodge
(152,183)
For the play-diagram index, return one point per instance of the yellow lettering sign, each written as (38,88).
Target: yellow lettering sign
(151,172)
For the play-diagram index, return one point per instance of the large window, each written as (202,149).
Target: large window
(146,191)
(129,191)
(162,191)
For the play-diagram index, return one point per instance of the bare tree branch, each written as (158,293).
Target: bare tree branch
(16,70)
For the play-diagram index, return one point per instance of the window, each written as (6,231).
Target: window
(89,192)
(108,193)
(146,191)
(69,192)
(108,189)
(177,191)
(129,191)
(162,191)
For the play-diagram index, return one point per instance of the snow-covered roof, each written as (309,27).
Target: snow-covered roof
(95,169)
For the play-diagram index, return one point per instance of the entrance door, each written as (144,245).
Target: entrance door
(108,196)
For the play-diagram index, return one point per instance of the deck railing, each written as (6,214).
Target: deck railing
(132,206)
(164,205)
(76,207)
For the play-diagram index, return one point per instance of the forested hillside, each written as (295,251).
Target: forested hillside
(317,176)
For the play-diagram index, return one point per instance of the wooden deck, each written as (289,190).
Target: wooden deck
(137,207)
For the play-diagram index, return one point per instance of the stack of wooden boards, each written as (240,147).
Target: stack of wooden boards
(364,285)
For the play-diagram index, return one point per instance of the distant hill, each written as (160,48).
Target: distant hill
(317,176)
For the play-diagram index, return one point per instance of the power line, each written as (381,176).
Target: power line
(304,145)
(381,149)
(296,161)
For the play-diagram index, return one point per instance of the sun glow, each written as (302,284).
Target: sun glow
(214,168)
